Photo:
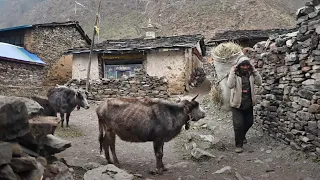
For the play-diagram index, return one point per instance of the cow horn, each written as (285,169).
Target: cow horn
(195,97)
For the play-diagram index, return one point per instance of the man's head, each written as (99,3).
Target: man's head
(244,66)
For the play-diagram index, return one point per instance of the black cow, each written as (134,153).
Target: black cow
(47,108)
(64,100)
(142,120)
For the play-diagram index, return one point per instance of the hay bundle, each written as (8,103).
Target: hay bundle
(225,55)
(226,50)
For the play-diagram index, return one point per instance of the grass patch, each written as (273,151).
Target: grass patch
(68,132)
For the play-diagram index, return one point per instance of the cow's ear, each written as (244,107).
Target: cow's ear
(195,97)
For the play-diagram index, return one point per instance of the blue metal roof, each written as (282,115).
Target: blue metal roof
(17,27)
(12,52)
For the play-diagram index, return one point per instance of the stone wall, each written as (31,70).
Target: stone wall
(289,107)
(16,73)
(141,85)
(49,44)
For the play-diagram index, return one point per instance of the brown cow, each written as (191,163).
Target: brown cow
(142,120)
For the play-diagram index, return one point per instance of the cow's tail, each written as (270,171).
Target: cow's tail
(101,133)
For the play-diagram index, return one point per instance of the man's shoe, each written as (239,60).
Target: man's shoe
(238,150)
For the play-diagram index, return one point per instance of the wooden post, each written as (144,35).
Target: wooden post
(91,48)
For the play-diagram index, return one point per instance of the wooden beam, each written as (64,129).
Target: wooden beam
(91,48)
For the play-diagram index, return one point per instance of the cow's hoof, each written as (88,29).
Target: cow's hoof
(117,164)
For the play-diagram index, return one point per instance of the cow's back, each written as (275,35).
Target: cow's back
(137,120)
(60,97)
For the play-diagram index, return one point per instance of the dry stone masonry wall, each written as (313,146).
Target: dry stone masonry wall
(140,85)
(289,108)
(15,73)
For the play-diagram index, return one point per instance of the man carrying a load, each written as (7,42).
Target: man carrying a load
(241,80)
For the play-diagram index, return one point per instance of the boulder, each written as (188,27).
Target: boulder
(7,173)
(13,120)
(23,164)
(5,153)
(108,172)
(36,174)
(33,108)
(40,127)
(54,144)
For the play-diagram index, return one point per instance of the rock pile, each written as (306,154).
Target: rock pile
(289,106)
(26,138)
(140,85)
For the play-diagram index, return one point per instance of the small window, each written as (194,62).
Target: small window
(121,69)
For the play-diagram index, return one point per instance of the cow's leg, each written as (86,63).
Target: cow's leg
(62,118)
(158,151)
(106,145)
(112,142)
(67,118)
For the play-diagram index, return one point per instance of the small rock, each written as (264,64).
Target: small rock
(42,161)
(268,151)
(91,165)
(58,167)
(109,171)
(198,154)
(220,158)
(294,146)
(224,169)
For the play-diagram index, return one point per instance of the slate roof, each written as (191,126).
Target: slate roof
(141,44)
(52,24)
(247,34)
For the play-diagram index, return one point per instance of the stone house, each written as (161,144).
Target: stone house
(48,41)
(19,67)
(246,38)
(174,58)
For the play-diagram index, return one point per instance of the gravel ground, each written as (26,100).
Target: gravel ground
(263,158)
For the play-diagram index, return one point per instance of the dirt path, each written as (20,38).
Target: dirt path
(264,158)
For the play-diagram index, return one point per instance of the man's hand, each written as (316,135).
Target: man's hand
(233,68)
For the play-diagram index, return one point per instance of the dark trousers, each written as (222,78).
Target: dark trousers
(242,121)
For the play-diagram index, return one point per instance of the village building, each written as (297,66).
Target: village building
(18,63)
(245,38)
(47,41)
(174,58)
